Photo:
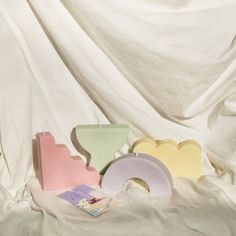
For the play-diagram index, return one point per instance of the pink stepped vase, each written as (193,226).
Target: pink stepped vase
(57,169)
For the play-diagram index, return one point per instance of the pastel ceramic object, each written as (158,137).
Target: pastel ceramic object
(57,169)
(183,159)
(102,142)
(142,166)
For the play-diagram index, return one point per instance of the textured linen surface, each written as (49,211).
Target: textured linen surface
(166,68)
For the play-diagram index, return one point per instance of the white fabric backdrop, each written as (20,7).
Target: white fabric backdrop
(166,68)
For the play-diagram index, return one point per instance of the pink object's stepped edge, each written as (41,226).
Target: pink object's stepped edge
(57,169)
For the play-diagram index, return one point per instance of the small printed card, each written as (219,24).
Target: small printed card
(92,200)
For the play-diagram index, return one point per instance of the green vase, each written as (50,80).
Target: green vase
(102,142)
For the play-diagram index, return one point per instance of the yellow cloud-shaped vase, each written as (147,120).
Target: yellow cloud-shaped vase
(183,159)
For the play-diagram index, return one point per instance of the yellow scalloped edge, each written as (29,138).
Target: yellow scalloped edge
(183,159)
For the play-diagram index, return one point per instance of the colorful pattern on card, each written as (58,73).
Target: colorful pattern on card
(89,199)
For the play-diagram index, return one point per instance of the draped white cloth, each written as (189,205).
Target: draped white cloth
(167,68)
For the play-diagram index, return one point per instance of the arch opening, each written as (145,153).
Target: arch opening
(138,181)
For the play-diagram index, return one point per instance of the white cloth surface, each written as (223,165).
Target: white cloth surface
(167,68)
